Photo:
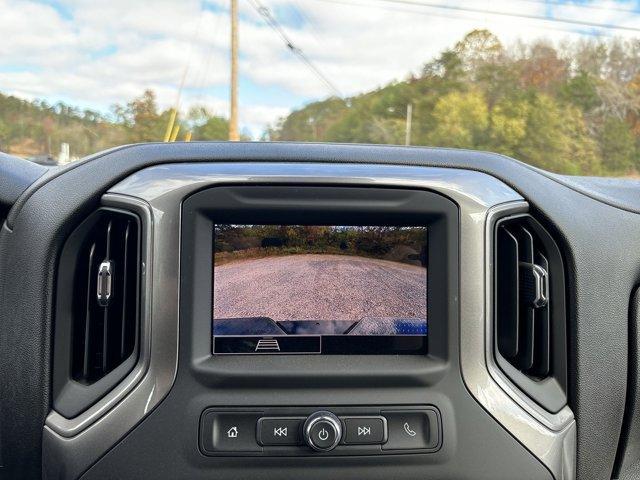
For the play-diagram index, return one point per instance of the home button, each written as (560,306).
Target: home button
(229,432)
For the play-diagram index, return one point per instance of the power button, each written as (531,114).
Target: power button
(322,431)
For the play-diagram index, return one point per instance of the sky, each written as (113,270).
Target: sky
(96,53)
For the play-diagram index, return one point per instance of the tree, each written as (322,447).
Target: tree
(207,126)
(581,91)
(543,69)
(557,138)
(618,145)
(310,123)
(461,120)
(589,56)
(386,130)
(448,66)
(477,49)
(141,118)
(509,120)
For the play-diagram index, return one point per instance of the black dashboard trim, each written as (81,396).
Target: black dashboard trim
(318,204)
(17,176)
(437,158)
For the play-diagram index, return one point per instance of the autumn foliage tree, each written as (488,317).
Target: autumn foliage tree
(572,109)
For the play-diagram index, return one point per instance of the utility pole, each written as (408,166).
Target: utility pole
(233,116)
(407,134)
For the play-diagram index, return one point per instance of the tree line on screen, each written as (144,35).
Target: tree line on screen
(572,107)
(393,243)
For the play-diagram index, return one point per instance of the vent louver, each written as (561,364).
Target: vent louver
(97,324)
(106,291)
(530,318)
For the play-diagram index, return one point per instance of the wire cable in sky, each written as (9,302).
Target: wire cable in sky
(459,8)
(460,16)
(462,9)
(582,6)
(308,19)
(273,23)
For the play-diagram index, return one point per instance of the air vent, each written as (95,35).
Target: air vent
(530,319)
(106,291)
(98,311)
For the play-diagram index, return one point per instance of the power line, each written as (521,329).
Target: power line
(300,13)
(203,72)
(389,8)
(560,3)
(461,9)
(583,23)
(459,16)
(171,127)
(273,23)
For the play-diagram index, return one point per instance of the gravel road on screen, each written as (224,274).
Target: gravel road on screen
(316,287)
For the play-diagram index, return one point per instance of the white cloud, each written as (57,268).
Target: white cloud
(110,51)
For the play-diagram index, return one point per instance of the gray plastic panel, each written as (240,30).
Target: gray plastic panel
(468,189)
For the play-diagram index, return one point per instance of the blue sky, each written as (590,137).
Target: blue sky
(95,53)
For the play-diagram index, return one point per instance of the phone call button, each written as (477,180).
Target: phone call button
(411,430)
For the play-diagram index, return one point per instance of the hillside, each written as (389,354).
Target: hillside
(30,128)
(572,110)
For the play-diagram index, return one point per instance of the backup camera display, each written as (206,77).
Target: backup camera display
(319,289)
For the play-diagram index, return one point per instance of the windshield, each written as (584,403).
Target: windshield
(553,83)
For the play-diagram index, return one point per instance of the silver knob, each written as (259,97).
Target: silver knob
(322,431)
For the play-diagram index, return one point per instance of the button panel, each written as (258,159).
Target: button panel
(279,431)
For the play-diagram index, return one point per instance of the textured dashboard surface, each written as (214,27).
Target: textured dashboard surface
(598,229)
(623,193)
(15,176)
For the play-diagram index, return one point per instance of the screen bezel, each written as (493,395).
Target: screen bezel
(318,204)
(341,344)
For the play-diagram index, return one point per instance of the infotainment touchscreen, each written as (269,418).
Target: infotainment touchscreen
(319,289)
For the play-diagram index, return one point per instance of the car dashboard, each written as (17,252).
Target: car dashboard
(158,321)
